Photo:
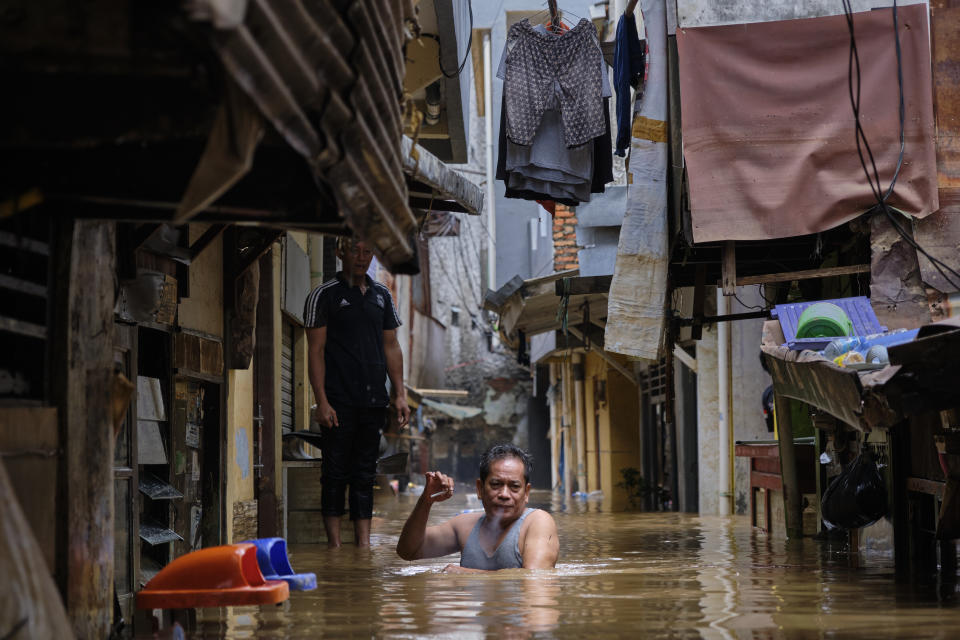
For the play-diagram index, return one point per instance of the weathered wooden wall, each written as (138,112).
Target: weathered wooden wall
(82,362)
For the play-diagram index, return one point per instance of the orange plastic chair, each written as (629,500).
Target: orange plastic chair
(215,577)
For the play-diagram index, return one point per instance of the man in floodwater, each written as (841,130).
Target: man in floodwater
(507,535)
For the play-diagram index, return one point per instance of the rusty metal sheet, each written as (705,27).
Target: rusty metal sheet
(939,234)
(816,382)
(896,292)
(945,44)
(768,131)
(329,79)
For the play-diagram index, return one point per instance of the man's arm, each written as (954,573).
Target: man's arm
(541,546)
(394,357)
(417,539)
(316,369)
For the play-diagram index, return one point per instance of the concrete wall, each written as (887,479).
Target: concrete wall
(707,417)
(612,413)
(749,381)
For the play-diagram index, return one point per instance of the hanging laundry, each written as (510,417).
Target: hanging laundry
(602,170)
(537,62)
(629,68)
(555,141)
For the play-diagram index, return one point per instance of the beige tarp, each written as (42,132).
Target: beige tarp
(768,131)
(639,287)
(30,605)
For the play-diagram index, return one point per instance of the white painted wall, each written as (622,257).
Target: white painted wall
(707,416)
(749,381)
(747,384)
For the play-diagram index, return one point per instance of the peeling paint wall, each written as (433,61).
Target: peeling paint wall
(239,431)
(707,417)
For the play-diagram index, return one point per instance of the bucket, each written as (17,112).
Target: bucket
(824,320)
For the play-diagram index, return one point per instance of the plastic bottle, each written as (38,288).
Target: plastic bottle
(840,346)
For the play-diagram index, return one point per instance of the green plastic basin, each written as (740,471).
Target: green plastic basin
(824,320)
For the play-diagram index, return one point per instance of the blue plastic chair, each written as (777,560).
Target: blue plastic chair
(275,565)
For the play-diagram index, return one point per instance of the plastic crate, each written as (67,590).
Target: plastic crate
(857,308)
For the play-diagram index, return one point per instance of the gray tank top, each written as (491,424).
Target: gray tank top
(506,556)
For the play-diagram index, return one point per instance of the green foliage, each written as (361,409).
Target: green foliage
(638,488)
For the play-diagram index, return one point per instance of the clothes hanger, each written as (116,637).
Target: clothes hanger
(556,17)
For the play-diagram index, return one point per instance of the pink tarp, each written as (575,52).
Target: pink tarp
(768,131)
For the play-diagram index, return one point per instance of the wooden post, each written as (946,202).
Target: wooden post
(728,268)
(898,438)
(566,379)
(581,431)
(554,427)
(792,505)
(82,366)
(699,301)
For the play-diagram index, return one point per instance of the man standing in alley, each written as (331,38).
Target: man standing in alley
(351,326)
(507,535)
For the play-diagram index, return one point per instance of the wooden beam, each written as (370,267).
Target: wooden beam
(257,249)
(22,327)
(82,366)
(141,234)
(22,243)
(750,315)
(680,354)
(728,268)
(608,358)
(443,393)
(699,300)
(792,500)
(807,274)
(583,285)
(922,485)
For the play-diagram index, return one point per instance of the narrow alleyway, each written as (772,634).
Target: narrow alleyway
(620,575)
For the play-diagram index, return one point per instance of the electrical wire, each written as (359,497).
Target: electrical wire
(749,306)
(466,54)
(853,63)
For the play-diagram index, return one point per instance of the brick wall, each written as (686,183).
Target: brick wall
(565,239)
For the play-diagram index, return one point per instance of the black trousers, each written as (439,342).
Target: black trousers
(350,453)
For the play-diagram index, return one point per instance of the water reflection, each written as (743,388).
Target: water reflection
(619,575)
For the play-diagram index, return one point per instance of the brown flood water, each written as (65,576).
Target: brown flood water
(624,575)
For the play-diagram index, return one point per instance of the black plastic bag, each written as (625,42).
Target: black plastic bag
(857,497)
